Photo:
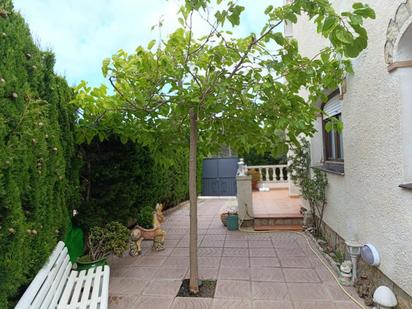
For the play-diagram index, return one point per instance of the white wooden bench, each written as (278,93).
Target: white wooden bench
(58,286)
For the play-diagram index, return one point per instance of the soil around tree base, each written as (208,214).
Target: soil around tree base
(206,289)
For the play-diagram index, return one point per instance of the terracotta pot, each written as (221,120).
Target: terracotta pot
(255,185)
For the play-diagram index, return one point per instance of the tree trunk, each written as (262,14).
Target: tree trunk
(194,276)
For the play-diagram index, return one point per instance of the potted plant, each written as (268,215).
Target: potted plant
(113,238)
(255,178)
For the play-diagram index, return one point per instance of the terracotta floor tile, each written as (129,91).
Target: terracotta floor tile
(264,262)
(153,302)
(209,261)
(260,243)
(259,236)
(126,286)
(300,275)
(212,243)
(314,305)
(267,274)
(308,292)
(262,252)
(270,290)
(150,261)
(236,236)
(210,251)
(162,287)
(142,273)
(208,273)
(294,251)
(167,272)
(191,303)
(180,252)
(176,261)
(235,261)
(231,304)
(236,252)
(121,302)
(234,273)
(295,262)
(214,237)
(268,304)
(232,289)
(236,244)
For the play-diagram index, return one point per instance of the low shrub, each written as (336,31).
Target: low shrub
(145,217)
(111,239)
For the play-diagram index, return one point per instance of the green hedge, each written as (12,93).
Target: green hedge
(38,172)
(118,179)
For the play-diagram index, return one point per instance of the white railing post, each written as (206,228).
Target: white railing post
(279,178)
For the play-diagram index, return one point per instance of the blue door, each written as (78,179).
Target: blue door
(219,176)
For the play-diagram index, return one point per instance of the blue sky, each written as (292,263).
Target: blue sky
(84,32)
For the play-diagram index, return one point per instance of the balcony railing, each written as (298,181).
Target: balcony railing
(276,175)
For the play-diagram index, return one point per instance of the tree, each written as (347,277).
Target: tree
(219,89)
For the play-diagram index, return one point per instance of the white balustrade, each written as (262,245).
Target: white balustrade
(272,175)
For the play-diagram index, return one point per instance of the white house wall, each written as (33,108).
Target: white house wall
(366,203)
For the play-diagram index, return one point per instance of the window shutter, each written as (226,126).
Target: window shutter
(333,107)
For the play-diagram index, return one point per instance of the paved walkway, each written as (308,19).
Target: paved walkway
(253,271)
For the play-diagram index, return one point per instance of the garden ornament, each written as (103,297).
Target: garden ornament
(138,234)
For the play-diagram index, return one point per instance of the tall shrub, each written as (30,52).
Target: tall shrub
(119,178)
(38,178)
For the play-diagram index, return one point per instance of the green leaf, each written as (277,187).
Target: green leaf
(329,23)
(357,5)
(366,12)
(151,44)
(268,9)
(344,36)
(105,66)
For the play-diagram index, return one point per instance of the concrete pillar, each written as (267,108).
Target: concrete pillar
(244,197)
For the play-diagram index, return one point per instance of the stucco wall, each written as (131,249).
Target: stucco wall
(366,204)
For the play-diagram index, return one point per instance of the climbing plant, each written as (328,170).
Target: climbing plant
(219,89)
(38,171)
(312,183)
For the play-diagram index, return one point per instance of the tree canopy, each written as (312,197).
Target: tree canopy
(246,91)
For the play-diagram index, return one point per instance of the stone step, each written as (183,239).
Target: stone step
(281,227)
(279,221)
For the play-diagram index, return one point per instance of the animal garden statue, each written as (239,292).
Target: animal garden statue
(138,234)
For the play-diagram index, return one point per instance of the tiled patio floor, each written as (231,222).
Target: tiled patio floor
(275,203)
(270,270)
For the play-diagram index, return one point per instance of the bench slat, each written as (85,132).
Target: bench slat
(60,287)
(68,289)
(52,280)
(87,287)
(104,297)
(96,287)
(77,291)
(33,289)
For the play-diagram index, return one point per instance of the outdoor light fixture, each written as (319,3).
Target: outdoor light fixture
(384,298)
(354,249)
(370,255)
